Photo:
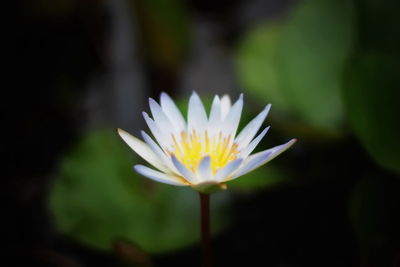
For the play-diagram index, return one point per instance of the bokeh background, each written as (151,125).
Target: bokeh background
(80,69)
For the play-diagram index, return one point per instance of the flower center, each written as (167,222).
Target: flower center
(190,149)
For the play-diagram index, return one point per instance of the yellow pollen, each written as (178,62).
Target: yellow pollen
(191,149)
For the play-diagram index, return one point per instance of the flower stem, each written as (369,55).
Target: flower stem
(205,229)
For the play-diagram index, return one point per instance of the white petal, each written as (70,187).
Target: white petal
(142,149)
(260,158)
(158,176)
(277,150)
(252,163)
(197,117)
(214,122)
(204,169)
(172,112)
(231,121)
(162,139)
(160,118)
(248,132)
(247,150)
(153,145)
(159,152)
(225,106)
(227,170)
(185,172)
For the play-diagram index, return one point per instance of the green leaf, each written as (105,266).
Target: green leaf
(371,96)
(256,65)
(297,64)
(98,198)
(315,44)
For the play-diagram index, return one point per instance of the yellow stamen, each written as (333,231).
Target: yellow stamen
(191,149)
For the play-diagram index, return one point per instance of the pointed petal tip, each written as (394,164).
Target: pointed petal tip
(145,115)
(292,141)
(285,146)
(175,160)
(240,98)
(122,132)
(267,129)
(266,110)
(152,101)
(165,97)
(226,97)
(135,167)
(204,171)
(143,134)
(195,95)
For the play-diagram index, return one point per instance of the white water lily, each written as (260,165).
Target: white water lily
(203,152)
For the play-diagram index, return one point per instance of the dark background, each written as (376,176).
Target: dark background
(80,69)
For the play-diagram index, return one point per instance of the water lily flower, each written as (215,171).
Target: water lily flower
(203,152)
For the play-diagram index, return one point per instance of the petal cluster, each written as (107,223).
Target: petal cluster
(205,151)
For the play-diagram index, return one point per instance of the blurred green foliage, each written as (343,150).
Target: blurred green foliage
(297,64)
(371,95)
(257,65)
(315,44)
(307,66)
(98,198)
